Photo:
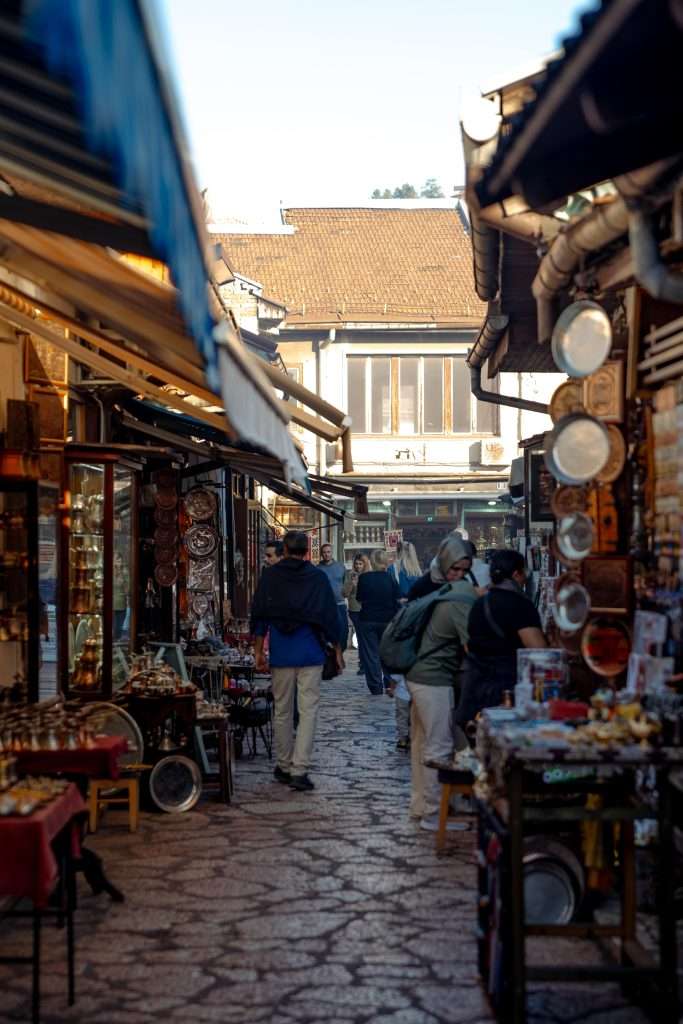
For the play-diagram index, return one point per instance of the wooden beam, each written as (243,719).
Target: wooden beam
(138,385)
(283,382)
(312,423)
(75,225)
(347,455)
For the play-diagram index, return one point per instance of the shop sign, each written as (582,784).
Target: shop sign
(392,539)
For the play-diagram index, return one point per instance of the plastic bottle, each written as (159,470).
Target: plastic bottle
(524,695)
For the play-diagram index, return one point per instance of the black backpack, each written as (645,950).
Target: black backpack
(400,643)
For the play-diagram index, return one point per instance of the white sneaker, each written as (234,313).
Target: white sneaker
(431,824)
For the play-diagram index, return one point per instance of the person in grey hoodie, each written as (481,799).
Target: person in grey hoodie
(434,678)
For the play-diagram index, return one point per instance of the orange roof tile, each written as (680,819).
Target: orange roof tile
(364,265)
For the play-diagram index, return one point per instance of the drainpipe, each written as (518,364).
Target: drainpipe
(495,399)
(492,331)
(602,225)
(648,269)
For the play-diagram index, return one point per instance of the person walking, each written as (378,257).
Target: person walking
(378,594)
(335,573)
(440,571)
(295,605)
(361,564)
(501,622)
(406,567)
(434,682)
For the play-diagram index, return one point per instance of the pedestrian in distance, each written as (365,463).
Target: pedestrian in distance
(406,567)
(407,571)
(379,596)
(294,605)
(361,564)
(336,572)
(434,682)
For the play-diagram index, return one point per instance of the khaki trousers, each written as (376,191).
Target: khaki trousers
(431,737)
(295,756)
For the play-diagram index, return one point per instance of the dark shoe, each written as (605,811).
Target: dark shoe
(301,782)
(282,776)
(403,744)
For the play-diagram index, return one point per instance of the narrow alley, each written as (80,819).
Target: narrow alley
(289,908)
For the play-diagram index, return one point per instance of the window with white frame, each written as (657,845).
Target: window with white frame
(415,394)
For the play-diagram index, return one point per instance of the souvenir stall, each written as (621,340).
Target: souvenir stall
(582,771)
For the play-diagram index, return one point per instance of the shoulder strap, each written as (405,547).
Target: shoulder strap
(490,619)
(439,647)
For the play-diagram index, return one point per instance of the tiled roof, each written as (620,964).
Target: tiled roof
(365,265)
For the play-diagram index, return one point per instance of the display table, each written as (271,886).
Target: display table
(35,852)
(522,793)
(99,761)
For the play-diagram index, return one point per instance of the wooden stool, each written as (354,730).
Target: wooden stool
(452,782)
(131,799)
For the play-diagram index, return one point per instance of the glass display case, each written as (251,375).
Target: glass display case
(19,597)
(99,570)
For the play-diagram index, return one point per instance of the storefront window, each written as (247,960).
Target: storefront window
(408,397)
(122,602)
(86,576)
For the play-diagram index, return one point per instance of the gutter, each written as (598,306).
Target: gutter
(601,226)
(493,329)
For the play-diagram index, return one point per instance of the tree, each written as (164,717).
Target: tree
(376,194)
(431,189)
(386,194)
(405,191)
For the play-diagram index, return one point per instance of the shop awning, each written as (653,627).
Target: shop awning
(195,437)
(92,159)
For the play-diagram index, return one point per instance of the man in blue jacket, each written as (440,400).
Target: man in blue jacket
(295,605)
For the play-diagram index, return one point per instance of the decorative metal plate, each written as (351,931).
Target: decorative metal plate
(616,459)
(577,449)
(200,574)
(566,500)
(201,540)
(165,516)
(200,605)
(605,646)
(166,479)
(175,784)
(568,398)
(165,536)
(165,555)
(200,503)
(166,575)
(166,498)
(111,720)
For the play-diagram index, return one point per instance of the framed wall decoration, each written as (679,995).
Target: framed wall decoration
(608,580)
(541,487)
(603,393)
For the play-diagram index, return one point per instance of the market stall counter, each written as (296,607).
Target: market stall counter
(40,827)
(550,778)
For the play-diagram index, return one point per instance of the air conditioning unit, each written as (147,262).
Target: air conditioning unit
(493,452)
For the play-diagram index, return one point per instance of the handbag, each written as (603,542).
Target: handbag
(330,667)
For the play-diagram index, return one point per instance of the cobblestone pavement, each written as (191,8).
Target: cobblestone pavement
(289,908)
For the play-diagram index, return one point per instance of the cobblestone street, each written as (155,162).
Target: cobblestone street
(289,908)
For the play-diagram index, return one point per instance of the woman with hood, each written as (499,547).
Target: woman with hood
(434,679)
(440,570)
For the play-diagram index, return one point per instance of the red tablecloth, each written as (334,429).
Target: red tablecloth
(98,762)
(28,866)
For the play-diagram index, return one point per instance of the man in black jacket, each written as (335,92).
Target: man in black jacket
(295,605)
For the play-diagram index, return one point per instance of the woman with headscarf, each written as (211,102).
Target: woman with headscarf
(500,623)
(441,566)
(434,680)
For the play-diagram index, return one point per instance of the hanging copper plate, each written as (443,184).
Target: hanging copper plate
(200,503)
(568,398)
(165,536)
(166,575)
(616,459)
(567,499)
(201,540)
(605,646)
(603,393)
(165,555)
(165,516)
(166,479)
(166,498)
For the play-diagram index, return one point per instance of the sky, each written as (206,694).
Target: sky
(305,102)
